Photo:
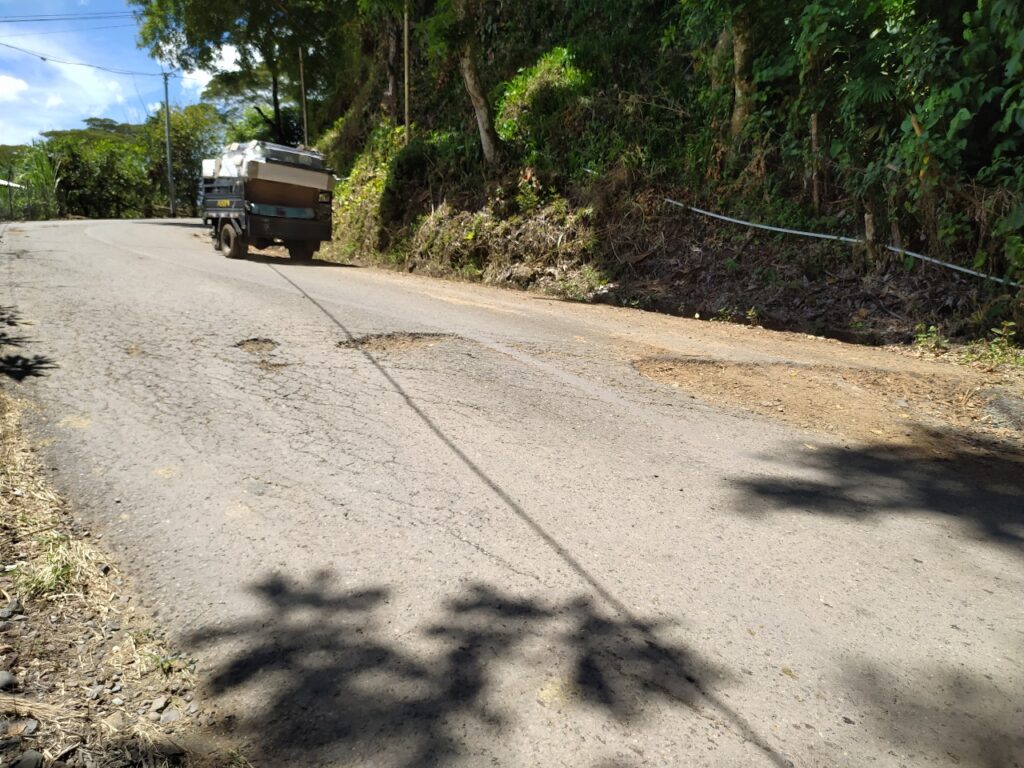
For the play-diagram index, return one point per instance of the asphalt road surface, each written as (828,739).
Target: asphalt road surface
(404,522)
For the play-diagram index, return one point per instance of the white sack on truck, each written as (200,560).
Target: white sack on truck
(261,160)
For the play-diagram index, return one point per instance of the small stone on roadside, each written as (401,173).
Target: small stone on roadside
(153,717)
(7,681)
(848,721)
(114,722)
(94,693)
(30,759)
(170,715)
(118,702)
(158,704)
(24,727)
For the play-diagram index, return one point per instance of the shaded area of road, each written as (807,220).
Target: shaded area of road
(340,681)
(18,366)
(983,488)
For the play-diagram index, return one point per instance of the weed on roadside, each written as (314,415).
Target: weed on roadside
(1000,349)
(60,568)
(92,683)
(930,338)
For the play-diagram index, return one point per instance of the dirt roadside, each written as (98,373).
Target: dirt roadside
(932,404)
(85,677)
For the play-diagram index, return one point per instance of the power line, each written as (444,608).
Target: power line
(55,60)
(67,31)
(41,18)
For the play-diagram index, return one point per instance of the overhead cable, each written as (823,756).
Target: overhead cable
(43,18)
(56,60)
(68,31)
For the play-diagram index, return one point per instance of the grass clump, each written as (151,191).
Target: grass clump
(1000,349)
(62,567)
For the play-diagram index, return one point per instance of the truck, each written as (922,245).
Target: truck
(261,194)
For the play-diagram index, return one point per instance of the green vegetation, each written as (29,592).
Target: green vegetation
(546,133)
(60,568)
(1000,348)
(110,169)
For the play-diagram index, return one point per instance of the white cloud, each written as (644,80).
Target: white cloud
(10,87)
(47,95)
(197,80)
(42,95)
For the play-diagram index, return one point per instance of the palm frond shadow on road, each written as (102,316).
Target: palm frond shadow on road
(978,483)
(15,365)
(342,686)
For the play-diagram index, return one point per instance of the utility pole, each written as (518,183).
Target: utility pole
(302,84)
(167,139)
(405,53)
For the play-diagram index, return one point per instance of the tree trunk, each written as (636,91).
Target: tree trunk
(815,165)
(391,63)
(465,11)
(743,75)
(720,57)
(489,140)
(275,99)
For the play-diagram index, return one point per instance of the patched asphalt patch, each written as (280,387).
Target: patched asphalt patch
(395,342)
(257,346)
(269,367)
(1005,410)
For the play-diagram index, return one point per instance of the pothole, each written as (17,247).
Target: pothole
(257,346)
(269,367)
(395,342)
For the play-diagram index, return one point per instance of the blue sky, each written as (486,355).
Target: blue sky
(39,96)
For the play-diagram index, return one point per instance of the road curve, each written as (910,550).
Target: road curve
(405,522)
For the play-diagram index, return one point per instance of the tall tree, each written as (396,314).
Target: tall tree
(466,14)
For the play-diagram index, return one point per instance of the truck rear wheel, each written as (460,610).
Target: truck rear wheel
(232,243)
(300,251)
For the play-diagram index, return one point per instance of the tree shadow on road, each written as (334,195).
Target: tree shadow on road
(944,713)
(341,685)
(186,223)
(283,260)
(17,366)
(980,483)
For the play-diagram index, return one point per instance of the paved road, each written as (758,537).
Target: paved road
(498,544)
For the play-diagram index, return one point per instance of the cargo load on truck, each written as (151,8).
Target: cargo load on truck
(258,194)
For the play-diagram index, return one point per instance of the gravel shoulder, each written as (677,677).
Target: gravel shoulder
(87,678)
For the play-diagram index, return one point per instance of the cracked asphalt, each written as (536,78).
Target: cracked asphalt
(417,523)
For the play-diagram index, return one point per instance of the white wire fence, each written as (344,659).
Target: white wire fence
(839,238)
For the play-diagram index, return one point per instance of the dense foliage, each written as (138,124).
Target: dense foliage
(110,169)
(909,111)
